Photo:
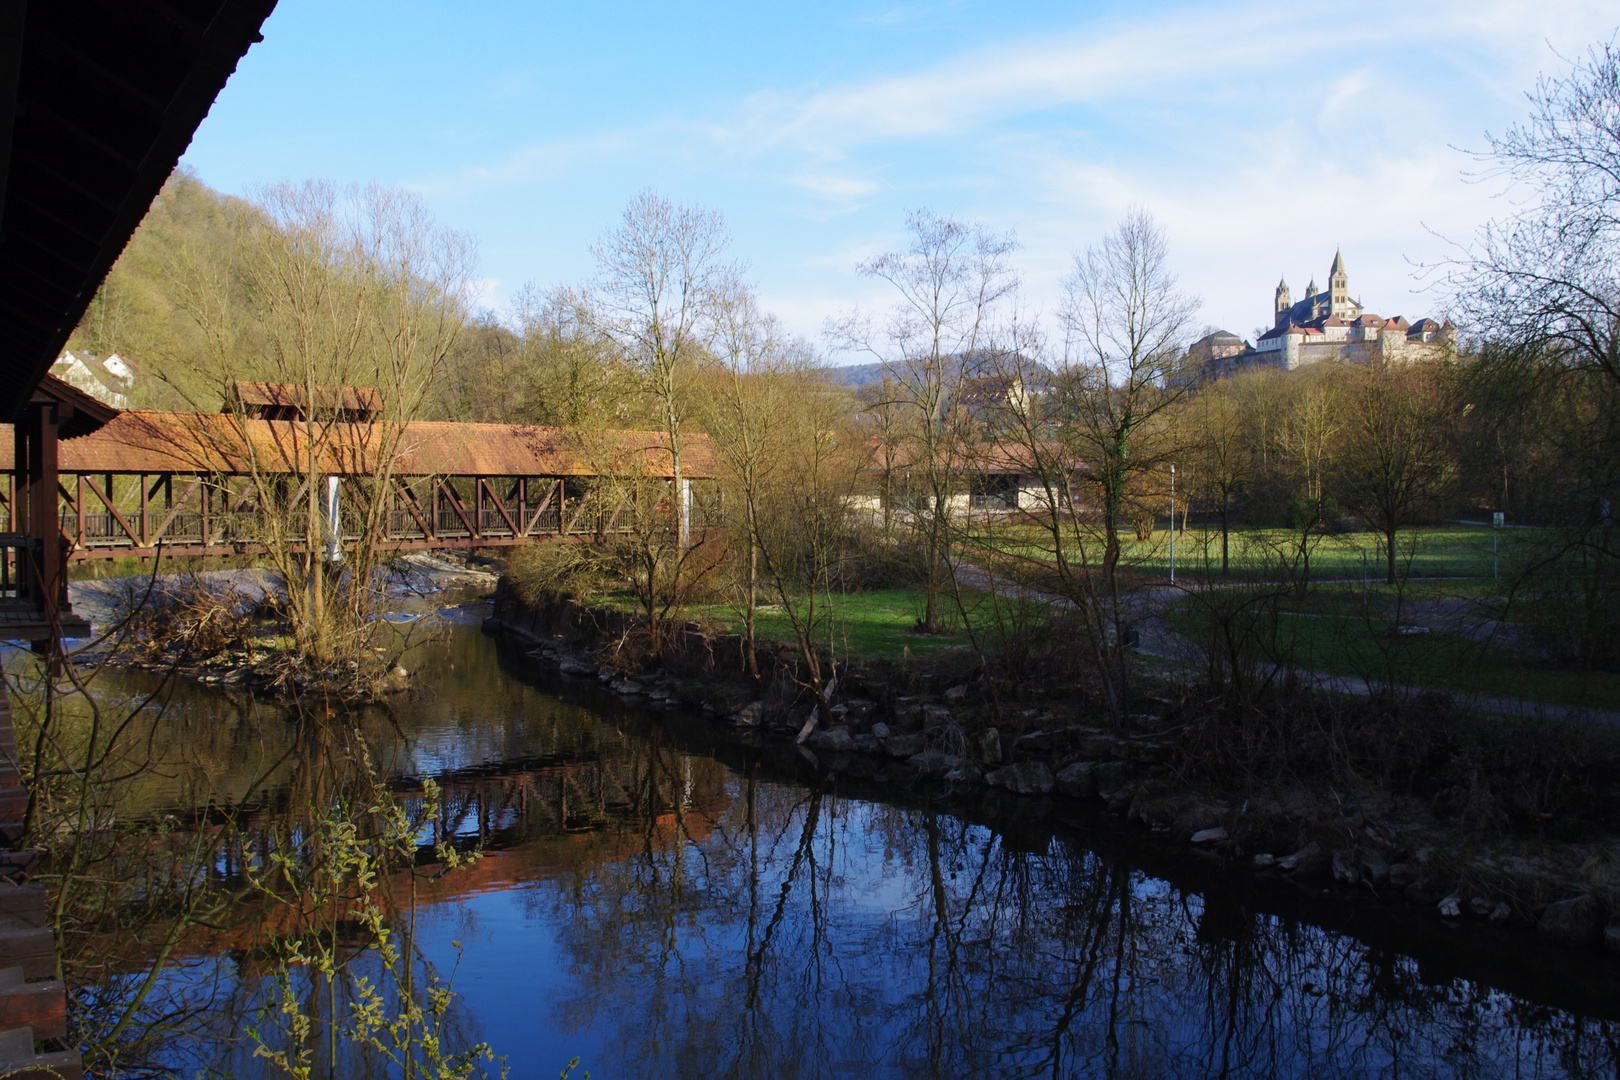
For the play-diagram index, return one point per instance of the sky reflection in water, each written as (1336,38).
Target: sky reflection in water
(661,911)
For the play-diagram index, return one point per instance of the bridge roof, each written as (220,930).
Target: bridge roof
(98,100)
(149,441)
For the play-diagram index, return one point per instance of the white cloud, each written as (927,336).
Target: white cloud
(1260,141)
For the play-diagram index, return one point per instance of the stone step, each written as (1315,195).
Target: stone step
(40,1005)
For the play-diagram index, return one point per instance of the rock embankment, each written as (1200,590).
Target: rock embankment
(1368,843)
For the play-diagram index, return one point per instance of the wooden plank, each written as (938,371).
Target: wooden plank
(33,948)
(499,506)
(24,903)
(163,526)
(410,504)
(583,503)
(545,502)
(106,500)
(455,504)
(13,804)
(40,1005)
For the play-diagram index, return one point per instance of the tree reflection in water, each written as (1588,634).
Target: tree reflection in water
(774,930)
(685,909)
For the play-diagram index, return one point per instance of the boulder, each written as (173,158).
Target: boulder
(1265,861)
(572,665)
(967,774)
(627,687)
(988,745)
(1191,815)
(1217,835)
(1573,922)
(1024,778)
(1481,906)
(1110,777)
(880,730)
(1451,906)
(935,714)
(1344,869)
(956,693)
(1100,748)
(749,715)
(1146,751)
(1501,913)
(904,746)
(836,740)
(1078,781)
(1309,859)
(1374,869)
(933,763)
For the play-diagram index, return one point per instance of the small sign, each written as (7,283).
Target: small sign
(1497,519)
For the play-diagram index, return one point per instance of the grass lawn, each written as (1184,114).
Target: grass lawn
(878,623)
(1353,646)
(1436,551)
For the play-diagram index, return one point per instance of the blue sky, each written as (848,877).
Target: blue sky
(1261,135)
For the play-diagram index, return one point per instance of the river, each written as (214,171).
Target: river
(660,899)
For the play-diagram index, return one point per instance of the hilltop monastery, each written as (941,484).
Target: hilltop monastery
(1324,325)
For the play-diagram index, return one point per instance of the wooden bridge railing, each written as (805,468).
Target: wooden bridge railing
(102,517)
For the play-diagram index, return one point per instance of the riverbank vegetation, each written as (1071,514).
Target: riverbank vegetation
(961,565)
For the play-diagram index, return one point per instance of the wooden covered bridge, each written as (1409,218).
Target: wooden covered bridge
(147,483)
(150,483)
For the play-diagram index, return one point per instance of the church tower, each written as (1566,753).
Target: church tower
(1314,299)
(1284,301)
(1339,287)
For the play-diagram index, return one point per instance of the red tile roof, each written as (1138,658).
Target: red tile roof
(145,441)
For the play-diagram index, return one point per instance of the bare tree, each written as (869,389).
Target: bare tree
(333,289)
(744,412)
(1547,278)
(663,282)
(1102,425)
(952,281)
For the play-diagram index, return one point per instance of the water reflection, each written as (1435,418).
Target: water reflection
(667,905)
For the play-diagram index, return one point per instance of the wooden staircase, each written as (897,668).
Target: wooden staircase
(33,1003)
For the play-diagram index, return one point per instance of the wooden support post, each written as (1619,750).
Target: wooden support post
(146,540)
(78,509)
(43,519)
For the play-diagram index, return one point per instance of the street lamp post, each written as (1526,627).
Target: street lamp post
(1172,523)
